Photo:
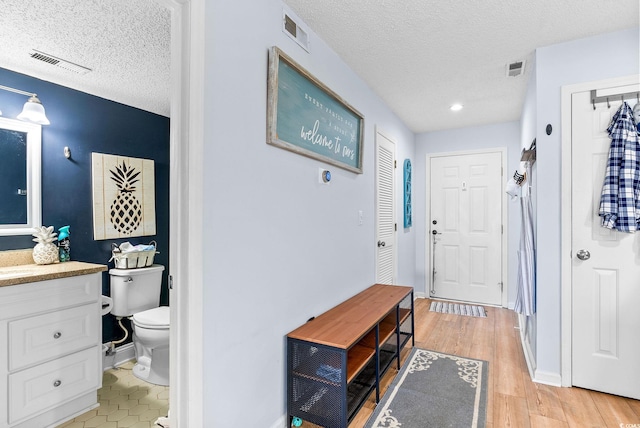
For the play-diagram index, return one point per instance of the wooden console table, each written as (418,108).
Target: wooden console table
(336,360)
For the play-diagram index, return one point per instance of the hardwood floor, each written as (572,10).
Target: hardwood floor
(513,400)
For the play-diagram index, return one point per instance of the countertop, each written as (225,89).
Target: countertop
(21,274)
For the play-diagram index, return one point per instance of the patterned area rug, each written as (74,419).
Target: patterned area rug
(458,309)
(435,390)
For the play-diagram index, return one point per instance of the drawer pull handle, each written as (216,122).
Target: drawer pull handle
(57,383)
(57,335)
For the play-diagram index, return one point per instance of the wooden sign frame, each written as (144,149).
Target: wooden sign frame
(306,117)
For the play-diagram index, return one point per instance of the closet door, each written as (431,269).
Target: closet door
(385,213)
(605,266)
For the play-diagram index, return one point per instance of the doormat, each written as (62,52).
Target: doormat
(435,390)
(458,309)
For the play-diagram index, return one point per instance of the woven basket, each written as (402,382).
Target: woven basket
(133,260)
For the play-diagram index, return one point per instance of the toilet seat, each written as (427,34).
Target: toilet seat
(155,318)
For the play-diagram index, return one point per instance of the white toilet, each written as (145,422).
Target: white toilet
(136,294)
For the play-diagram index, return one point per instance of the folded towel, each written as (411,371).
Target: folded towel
(126,247)
(328,372)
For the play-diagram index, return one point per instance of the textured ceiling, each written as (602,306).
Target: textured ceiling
(126,43)
(420,56)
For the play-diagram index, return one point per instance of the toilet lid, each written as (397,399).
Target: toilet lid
(153,318)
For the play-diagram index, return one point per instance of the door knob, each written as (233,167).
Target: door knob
(380,243)
(583,255)
(434,232)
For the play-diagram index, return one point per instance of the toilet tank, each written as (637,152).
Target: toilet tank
(135,290)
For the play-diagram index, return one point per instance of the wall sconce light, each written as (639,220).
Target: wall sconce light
(33,111)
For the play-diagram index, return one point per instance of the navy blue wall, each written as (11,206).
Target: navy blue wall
(86,124)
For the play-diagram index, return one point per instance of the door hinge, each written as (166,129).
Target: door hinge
(502,229)
(501,286)
(395,163)
(170,282)
(395,227)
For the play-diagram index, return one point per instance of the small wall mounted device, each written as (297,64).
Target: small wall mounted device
(325,176)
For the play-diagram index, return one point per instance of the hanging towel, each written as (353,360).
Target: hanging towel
(620,200)
(525,297)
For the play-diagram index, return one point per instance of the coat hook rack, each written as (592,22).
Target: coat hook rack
(529,155)
(595,99)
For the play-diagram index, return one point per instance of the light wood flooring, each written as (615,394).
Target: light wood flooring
(513,400)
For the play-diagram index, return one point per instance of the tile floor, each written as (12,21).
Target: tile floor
(125,401)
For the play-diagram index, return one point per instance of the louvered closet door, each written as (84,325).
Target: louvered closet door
(385,218)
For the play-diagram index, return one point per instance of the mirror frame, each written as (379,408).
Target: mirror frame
(34,174)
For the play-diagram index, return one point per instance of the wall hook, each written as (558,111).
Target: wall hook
(608,104)
(67,152)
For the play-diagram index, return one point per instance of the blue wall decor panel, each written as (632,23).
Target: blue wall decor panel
(408,210)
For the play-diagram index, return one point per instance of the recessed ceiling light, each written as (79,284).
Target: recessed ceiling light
(456,107)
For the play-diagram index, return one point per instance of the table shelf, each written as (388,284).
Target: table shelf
(336,360)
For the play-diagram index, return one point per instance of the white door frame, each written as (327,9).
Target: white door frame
(505,231)
(186,184)
(395,180)
(565,220)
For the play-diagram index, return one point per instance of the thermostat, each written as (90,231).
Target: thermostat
(325,176)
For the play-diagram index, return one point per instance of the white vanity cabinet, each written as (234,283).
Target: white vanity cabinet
(50,350)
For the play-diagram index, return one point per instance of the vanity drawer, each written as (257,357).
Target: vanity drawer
(44,296)
(39,388)
(42,337)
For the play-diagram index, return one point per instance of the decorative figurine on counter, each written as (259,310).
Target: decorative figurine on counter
(45,252)
(64,245)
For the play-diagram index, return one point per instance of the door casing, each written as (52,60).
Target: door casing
(186,187)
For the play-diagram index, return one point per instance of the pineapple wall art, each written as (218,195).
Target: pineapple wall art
(123,197)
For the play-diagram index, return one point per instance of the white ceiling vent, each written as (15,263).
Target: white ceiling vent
(58,62)
(292,29)
(515,69)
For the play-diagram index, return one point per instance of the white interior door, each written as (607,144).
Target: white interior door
(466,227)
(606,284)
(385,213)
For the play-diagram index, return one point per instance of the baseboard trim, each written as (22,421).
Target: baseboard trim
(419,295)
(526,348)
(280,423)
(123,354)
(548,378)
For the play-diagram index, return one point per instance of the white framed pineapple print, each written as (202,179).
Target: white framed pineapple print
(123,196)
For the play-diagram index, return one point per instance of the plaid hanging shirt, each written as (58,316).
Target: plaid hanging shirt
(620,200)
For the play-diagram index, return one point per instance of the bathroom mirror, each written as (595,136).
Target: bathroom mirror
(20,184)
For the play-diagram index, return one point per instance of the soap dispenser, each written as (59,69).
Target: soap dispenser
(64,245)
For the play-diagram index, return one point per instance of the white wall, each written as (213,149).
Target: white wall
(502,135)
(279,247)
(595,58)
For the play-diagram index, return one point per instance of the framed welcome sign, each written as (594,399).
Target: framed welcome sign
(306,117)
